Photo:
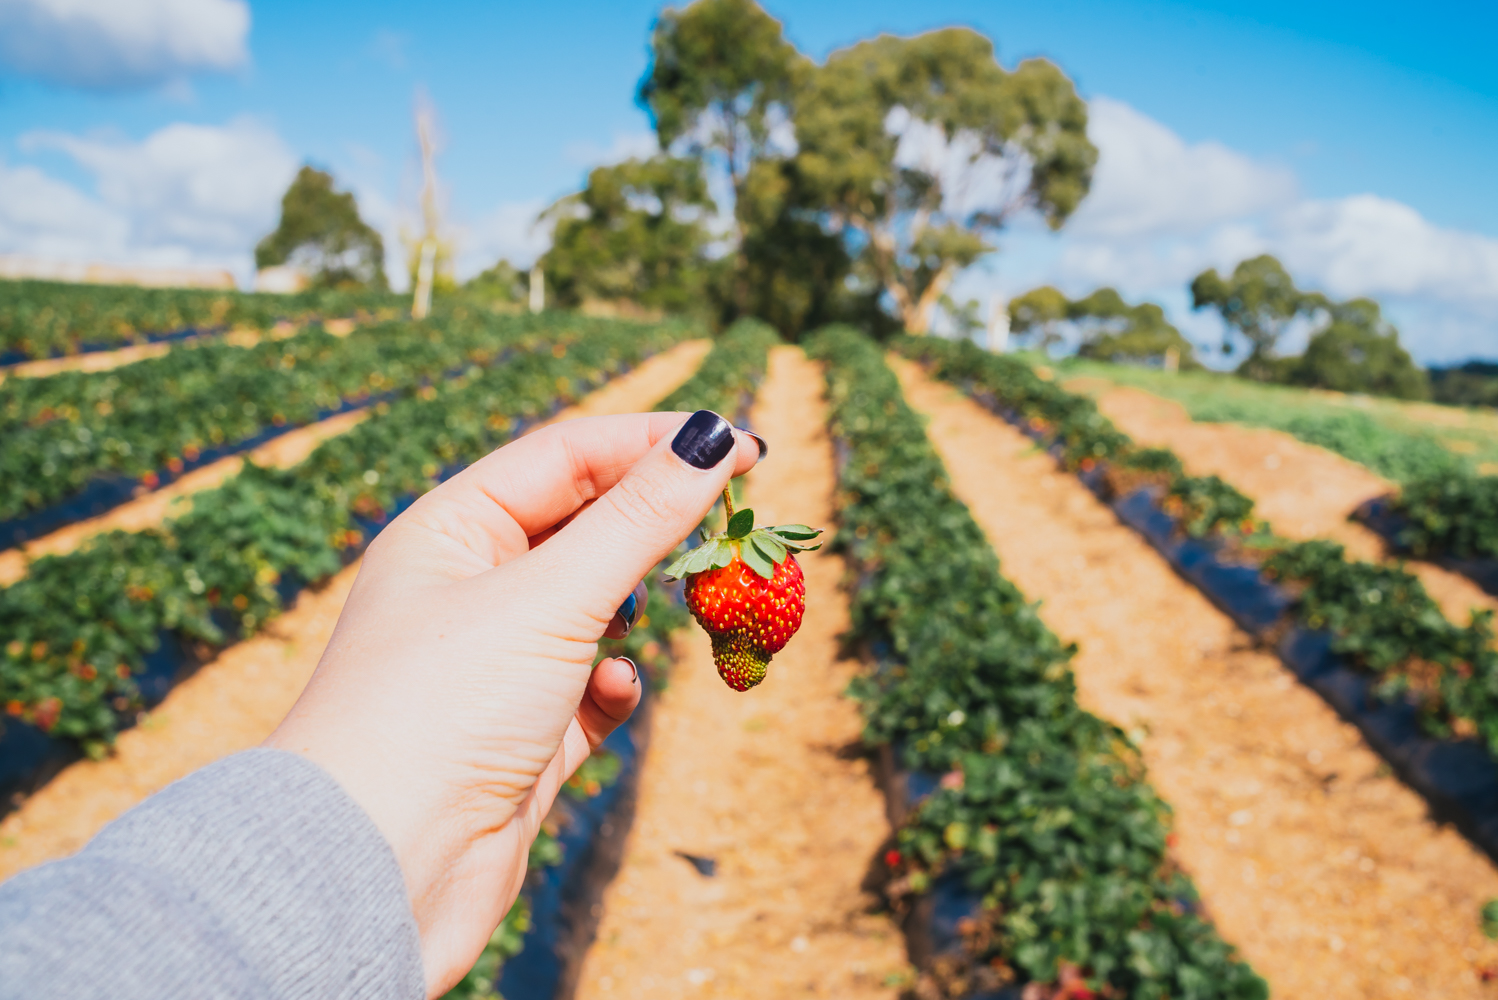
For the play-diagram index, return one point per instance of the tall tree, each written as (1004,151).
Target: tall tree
(1359,351)
(921,149)
(1258,301)
(1037,316)
(637,232)
(322,235)
(1105,326)
(721,78)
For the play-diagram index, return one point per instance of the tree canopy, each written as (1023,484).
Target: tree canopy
(322,236)
(1107,328)
(637,232)
(924,147)
(1358,351)
(858,188)
(1258,301)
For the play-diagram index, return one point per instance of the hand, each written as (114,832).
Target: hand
(458,691)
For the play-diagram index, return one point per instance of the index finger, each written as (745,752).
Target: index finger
(524,488)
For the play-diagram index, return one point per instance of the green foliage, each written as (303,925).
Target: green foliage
(1451,514)
(948,80)
(1043,810)
(721,73)
(60,432)
(1489,918)
(322,236)
(505,943)
(1472,384)
(40,319)
(78,626)
(501,283)
(1380,616)
(726,379)
(1358,352)
(638,232)
(1109,329)
(1259,301)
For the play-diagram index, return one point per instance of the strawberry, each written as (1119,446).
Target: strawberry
(746,590)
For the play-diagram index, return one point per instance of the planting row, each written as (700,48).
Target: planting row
(41,319)
(80,627)
(1038,853)
(1444,507)
(543,938)
(1380,617)
(81,442)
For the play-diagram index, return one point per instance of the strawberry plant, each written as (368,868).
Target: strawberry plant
(80,626)
(1042,811)
(41,319)
(150,419)
(1380,615)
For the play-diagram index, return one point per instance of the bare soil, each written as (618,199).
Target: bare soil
(235,701)
(1323,869)
(1302,490)
(103,361)
(151,508)
(763,783)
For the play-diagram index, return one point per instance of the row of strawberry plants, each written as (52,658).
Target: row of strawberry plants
(1380,616)
(150,420)
(1042,811)
(1453,516)
(77,629)
(723,382)
(45,318)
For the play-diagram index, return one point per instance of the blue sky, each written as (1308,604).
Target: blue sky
(1358,141)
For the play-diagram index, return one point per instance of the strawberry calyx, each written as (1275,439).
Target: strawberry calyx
(761,549)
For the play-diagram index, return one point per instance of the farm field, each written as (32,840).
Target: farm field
(1116,786)
(1381,433)
(1304,490)
(1320,865)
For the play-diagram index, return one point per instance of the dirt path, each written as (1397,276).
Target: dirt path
(103,361)
(756,781)
(1322,868)
(1302,490)
(151,508)
(236,700)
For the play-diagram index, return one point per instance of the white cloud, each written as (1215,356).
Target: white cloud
(111,44)
(624,146)
(1161,211)
(1149,182)
(185,195)
(509,231)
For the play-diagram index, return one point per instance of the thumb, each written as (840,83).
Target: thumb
(597,559)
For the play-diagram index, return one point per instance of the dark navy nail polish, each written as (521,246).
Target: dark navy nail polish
(633,670)
(704,440)
(764,446)
(627,612)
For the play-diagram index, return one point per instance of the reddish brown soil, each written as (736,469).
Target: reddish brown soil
(1302,490)
(1324,870)
(758,782)
(235,701)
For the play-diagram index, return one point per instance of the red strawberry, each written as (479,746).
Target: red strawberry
(746,590)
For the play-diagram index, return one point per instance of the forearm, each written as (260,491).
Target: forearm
(255,877)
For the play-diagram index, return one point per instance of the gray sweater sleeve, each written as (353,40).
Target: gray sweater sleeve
(254,877)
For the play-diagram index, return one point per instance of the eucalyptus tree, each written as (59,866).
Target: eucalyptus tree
(637,232)
(920,150)
(322,235)
(1258,301)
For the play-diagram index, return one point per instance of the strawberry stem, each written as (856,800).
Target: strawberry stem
(728,501)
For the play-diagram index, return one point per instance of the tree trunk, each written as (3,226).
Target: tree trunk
(917,315)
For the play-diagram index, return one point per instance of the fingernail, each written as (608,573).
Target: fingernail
(634,671)
(764,446)
(704,440)
(627,612)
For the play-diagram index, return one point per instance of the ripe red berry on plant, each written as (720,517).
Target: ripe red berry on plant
(745,589)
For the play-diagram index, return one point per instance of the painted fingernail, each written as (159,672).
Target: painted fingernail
(764,446)
(704,440)
(627,612)
(634,671)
